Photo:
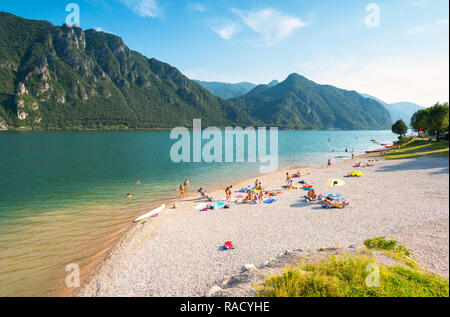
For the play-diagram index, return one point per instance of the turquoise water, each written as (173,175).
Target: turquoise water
(62,194)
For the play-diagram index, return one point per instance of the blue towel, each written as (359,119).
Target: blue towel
(269,201)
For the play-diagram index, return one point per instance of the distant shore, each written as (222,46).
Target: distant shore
(177,253)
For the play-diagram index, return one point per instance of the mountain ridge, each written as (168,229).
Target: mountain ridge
(299,103)
(398,110)
(67,78)
(59,77)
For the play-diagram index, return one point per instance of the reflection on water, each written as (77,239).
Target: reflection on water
(62,194)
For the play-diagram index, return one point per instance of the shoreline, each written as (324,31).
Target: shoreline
(122,264)
(125,235)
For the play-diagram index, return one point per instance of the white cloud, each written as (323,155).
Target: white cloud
(273,25)
(144,8)
(443,21)
(420,29)
(227,31)
(196,6)
(99,29)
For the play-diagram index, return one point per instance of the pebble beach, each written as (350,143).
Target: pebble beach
(179,253)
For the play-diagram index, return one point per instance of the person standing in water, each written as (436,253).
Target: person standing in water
(186,185)
(181,189)
(329,162)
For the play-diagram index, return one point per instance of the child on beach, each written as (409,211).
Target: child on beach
(181,189)
(288,181)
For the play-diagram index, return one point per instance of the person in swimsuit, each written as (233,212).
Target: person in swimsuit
(228,192)
(181,189)
(186,185)
(288,180)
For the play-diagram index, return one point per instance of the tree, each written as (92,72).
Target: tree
(419,120)
(438,119)
(400,128)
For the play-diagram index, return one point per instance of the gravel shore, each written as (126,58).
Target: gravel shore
(177,253)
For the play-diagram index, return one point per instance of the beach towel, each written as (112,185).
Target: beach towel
(217,206)
(269,201)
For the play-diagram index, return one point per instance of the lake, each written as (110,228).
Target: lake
(62,194)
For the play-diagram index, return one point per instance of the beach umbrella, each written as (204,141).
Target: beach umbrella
(335,182)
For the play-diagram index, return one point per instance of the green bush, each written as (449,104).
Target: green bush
(346,277)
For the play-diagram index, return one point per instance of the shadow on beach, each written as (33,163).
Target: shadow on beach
(419,164)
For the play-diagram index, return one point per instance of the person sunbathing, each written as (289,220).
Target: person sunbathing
(288,181)
(250,196)
(311,195)
(203,194)
(357,165)
(338,204)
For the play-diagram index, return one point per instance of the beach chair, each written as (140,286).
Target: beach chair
(204,196)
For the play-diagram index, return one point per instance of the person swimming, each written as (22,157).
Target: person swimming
(129,195)
(138,182)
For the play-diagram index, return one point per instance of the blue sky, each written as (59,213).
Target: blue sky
(400,54)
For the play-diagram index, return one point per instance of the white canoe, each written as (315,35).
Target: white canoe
(151,213)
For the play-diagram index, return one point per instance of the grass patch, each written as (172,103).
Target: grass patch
(347,275)
(418,147)
(380,243)
(391,248)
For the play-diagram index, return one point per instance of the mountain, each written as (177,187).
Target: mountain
(399,110)
(298,103)
(66,78)
(273,83)
(227,90)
